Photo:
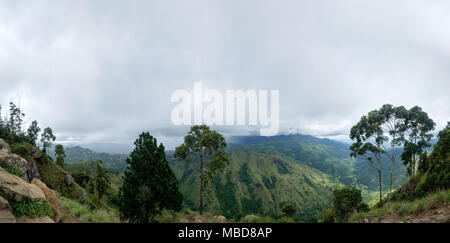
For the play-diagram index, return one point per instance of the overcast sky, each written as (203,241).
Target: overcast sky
(103,71)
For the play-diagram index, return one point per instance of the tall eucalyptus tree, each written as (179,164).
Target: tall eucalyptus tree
(369,139)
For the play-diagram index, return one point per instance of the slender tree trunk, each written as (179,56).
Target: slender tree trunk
(201,183)
(379,182)
(390,183)
(412,176)
(379,173)
(392,166)
(392,169)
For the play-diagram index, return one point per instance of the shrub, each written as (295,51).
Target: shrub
(363,207)
(20,150)
(346,201)
(81,178)
(289,210)
(328,216)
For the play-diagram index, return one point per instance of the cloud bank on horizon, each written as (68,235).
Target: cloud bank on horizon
(103,71)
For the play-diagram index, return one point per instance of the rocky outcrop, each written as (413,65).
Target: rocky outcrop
(51,197)
(35,153)
(68,179)
(13,187)
(6,215)
(27,169)
(221,218)
(4,146)
(195,218)
(45,219)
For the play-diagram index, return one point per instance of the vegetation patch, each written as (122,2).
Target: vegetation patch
(31,208)
(53,176)
(87,215)
(437,199)
(12,171)
(20,149)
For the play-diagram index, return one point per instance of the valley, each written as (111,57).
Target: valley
(263,175)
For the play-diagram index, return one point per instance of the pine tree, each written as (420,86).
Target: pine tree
(149,183)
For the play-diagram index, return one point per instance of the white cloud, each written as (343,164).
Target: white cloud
(102,71)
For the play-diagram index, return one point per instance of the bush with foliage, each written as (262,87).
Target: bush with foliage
(289,210)
(347,201)
(328,216)
(81,178)
(20,149)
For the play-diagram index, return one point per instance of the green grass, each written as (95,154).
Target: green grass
(86,215)
(31,208)
(12,171)
(406,207)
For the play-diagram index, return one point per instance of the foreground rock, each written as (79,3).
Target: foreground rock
(6,215)
(45,219)
(27,169)
(13,187)
(51,197)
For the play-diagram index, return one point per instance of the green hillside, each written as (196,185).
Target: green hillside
(89,168)
(260,184)
(264,174)
(115,162)
(328,156)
